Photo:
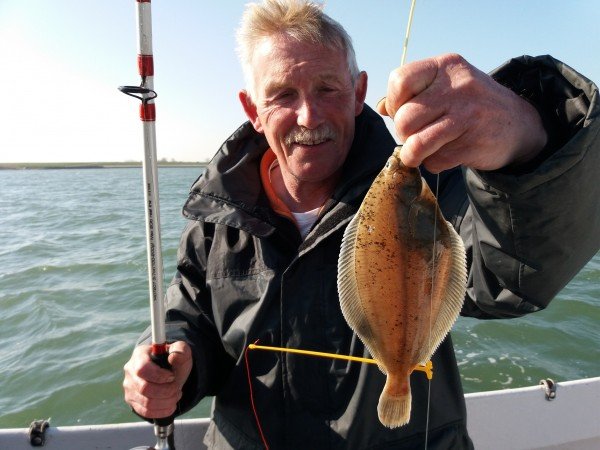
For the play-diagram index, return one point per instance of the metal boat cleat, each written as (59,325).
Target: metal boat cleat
(549,388)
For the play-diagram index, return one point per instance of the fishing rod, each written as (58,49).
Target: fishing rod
(164,427)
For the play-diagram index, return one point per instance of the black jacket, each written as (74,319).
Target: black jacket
(245,274)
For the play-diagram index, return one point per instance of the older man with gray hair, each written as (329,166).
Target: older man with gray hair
(258,258)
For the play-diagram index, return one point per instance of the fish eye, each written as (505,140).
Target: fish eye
(390,163)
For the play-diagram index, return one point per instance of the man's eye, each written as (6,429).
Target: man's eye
(284,95)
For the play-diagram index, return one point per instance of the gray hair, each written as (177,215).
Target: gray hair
(302,20)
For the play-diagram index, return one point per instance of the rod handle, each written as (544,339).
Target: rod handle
(159,354)
(160,357)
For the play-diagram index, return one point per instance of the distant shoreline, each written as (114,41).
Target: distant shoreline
(94,165)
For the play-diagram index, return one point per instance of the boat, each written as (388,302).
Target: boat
(548,416)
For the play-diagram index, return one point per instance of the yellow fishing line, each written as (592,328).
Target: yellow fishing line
(427,368)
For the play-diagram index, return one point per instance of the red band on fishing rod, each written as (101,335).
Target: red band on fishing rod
(148,112)
(146,65)
(159,349)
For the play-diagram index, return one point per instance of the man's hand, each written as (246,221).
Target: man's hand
(449,113)
(151,391)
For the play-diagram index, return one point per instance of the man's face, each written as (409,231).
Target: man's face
(305,103)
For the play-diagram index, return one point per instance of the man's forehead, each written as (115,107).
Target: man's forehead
(285,48)
(284,58)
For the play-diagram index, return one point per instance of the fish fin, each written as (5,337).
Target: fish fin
(394,404)
(377,359)
(454,294)
(348,292)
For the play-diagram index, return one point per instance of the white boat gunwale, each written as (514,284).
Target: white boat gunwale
(517,419)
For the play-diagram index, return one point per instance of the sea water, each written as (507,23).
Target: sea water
(74,298)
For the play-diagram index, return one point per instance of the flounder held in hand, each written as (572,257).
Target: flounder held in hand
(400,288)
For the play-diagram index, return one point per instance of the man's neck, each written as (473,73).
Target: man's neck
(301,196)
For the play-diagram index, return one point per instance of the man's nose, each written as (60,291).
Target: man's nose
(309,113)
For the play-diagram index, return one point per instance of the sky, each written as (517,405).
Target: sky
(61,62)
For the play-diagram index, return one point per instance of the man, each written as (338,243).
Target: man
(258,259)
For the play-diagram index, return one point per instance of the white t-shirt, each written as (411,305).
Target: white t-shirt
(305,220)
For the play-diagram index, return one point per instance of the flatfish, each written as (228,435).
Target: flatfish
(401,279)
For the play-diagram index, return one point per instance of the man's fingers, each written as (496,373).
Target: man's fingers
(153,392)
(179,352)
(180,358)
(406,82)
(141,366)
(427,141)
(417,114)
(152,408)
(152,413)
(381,107)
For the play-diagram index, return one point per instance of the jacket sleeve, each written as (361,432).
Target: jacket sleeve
(189,317)
(529,231)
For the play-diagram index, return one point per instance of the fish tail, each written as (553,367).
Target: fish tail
(394,403)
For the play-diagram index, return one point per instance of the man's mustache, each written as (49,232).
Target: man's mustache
(306,136)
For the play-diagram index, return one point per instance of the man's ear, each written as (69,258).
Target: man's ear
(360,92)
(250,110)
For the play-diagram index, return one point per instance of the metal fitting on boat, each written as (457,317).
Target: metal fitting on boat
(549,388)
(37,432)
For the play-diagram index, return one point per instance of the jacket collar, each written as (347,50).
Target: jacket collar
(230,191)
